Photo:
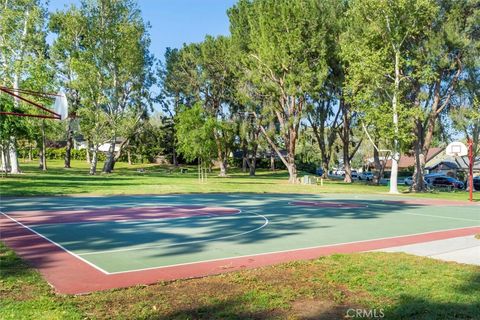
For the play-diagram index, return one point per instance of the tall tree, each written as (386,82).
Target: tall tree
(285,55)
(118,48)
(444,58)
(22,41)
(378,45)
(201,74)
(70,27)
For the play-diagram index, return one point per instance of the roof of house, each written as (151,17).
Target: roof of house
(408,160)
(450,162)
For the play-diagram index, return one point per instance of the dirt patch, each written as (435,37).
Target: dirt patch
(318,310)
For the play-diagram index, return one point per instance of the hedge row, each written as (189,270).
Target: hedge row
(59,153)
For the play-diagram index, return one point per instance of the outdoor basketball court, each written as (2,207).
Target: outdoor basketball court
(83,244)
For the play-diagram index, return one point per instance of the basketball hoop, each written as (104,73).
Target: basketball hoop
(60,105)
(456,149)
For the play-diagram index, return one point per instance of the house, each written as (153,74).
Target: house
(407,161)
(104,147)
(452,166)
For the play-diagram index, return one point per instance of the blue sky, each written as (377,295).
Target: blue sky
(174,22)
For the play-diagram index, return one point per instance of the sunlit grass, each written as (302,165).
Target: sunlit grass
(401,286)
(155,179)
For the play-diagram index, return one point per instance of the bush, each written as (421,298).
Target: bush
(59,153)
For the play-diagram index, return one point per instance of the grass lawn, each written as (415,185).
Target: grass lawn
(399,286)
(160,180)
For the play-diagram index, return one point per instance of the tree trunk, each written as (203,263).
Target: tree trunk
(12,153)
(378,165)
(272,160)
(221,157)
(346,142)
(252,165)
(69,146)
(395,153)
(5,167)
(419,168)
(87,149)
(174,156)
(93,164)
(43,157)
(292,167)
(30,151)
(223,167)
(244,156)
(40,157)
(325,165)
(129,157)
(346,164)
(292,171)
(110,162)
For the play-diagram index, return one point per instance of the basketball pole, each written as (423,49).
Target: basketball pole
(470,177)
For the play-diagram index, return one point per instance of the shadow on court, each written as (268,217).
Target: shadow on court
(192,235)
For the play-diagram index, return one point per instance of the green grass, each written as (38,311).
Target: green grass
(402,286)
(162,180)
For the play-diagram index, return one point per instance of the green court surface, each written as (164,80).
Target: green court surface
(264,223)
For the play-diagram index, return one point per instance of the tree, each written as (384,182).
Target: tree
(71,28)
(378,46)
(22,41)
(195,134)
(201,74)
(103,49)
(444,58)
(466,112)
(285,51)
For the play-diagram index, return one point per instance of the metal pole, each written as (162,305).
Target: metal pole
(470,157)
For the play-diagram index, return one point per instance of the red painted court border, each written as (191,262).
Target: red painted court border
(69,275)
(431,202)
(117,214)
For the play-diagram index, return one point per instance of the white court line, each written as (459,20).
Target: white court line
(440,217)
(53,242)
(183,243)
(289,250)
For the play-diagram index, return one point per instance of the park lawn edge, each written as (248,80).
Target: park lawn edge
(399,285)
(157,179)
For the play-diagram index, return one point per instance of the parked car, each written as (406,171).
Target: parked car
(354,175)
(368,176)
(444,181)
(476,183)
(408,181)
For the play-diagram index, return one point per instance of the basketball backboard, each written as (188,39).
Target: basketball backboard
(456,149)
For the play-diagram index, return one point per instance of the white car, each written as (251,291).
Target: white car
(368,176)
(409,181)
